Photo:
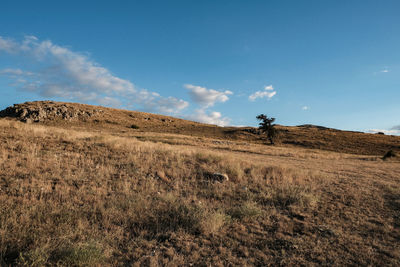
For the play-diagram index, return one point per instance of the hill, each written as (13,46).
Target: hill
(128,122)
(82,187)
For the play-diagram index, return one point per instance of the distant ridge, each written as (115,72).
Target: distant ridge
(124,121)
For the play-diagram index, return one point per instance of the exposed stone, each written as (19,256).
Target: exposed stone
(217,177)
(46,110)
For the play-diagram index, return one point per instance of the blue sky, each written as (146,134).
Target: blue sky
(331,63)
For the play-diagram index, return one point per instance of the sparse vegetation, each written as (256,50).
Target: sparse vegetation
(248,210)
(81,197)
(389,154)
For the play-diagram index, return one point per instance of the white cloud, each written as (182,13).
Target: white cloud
(267,93)
(61,72)
(305,108)
(385,71)
(261,94)
(207,97)
(212,117)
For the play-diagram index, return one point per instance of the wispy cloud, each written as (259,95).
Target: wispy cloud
(16,72)
(268,93)
(383,70)
(305,107)
(61,72)
(8,45)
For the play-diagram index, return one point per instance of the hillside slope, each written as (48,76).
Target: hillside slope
(128,122)
(110,196)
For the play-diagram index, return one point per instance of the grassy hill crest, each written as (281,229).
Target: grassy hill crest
(109,119)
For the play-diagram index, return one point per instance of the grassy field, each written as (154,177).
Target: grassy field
(101,193)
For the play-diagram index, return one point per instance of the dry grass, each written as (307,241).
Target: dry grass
(88,198)
(140,124)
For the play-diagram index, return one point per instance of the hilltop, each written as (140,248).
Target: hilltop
(83,185)
(80,116)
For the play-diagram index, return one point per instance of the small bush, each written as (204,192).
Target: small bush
(86,254)
(134,126)
(247,210)
(213,221)
(283,196)
(35,257)
(166,213)
(389,154)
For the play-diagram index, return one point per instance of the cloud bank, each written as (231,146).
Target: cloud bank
(61,72)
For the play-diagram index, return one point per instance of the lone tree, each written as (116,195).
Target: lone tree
(267,127)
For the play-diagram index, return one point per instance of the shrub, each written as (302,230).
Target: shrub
(389,154)
(84,254)
(247,210)
(212,221)
(134,126)
(285,195)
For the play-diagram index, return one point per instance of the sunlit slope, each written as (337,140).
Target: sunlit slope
(126,122)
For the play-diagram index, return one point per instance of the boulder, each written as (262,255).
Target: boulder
(217,177)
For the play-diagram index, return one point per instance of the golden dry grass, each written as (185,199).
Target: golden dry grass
(127,123)
(95,197)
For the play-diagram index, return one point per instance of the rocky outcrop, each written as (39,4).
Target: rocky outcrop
(47,110)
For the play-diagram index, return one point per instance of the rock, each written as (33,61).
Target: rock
(24,112)
(47,110)
(217,177)
(161,175)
